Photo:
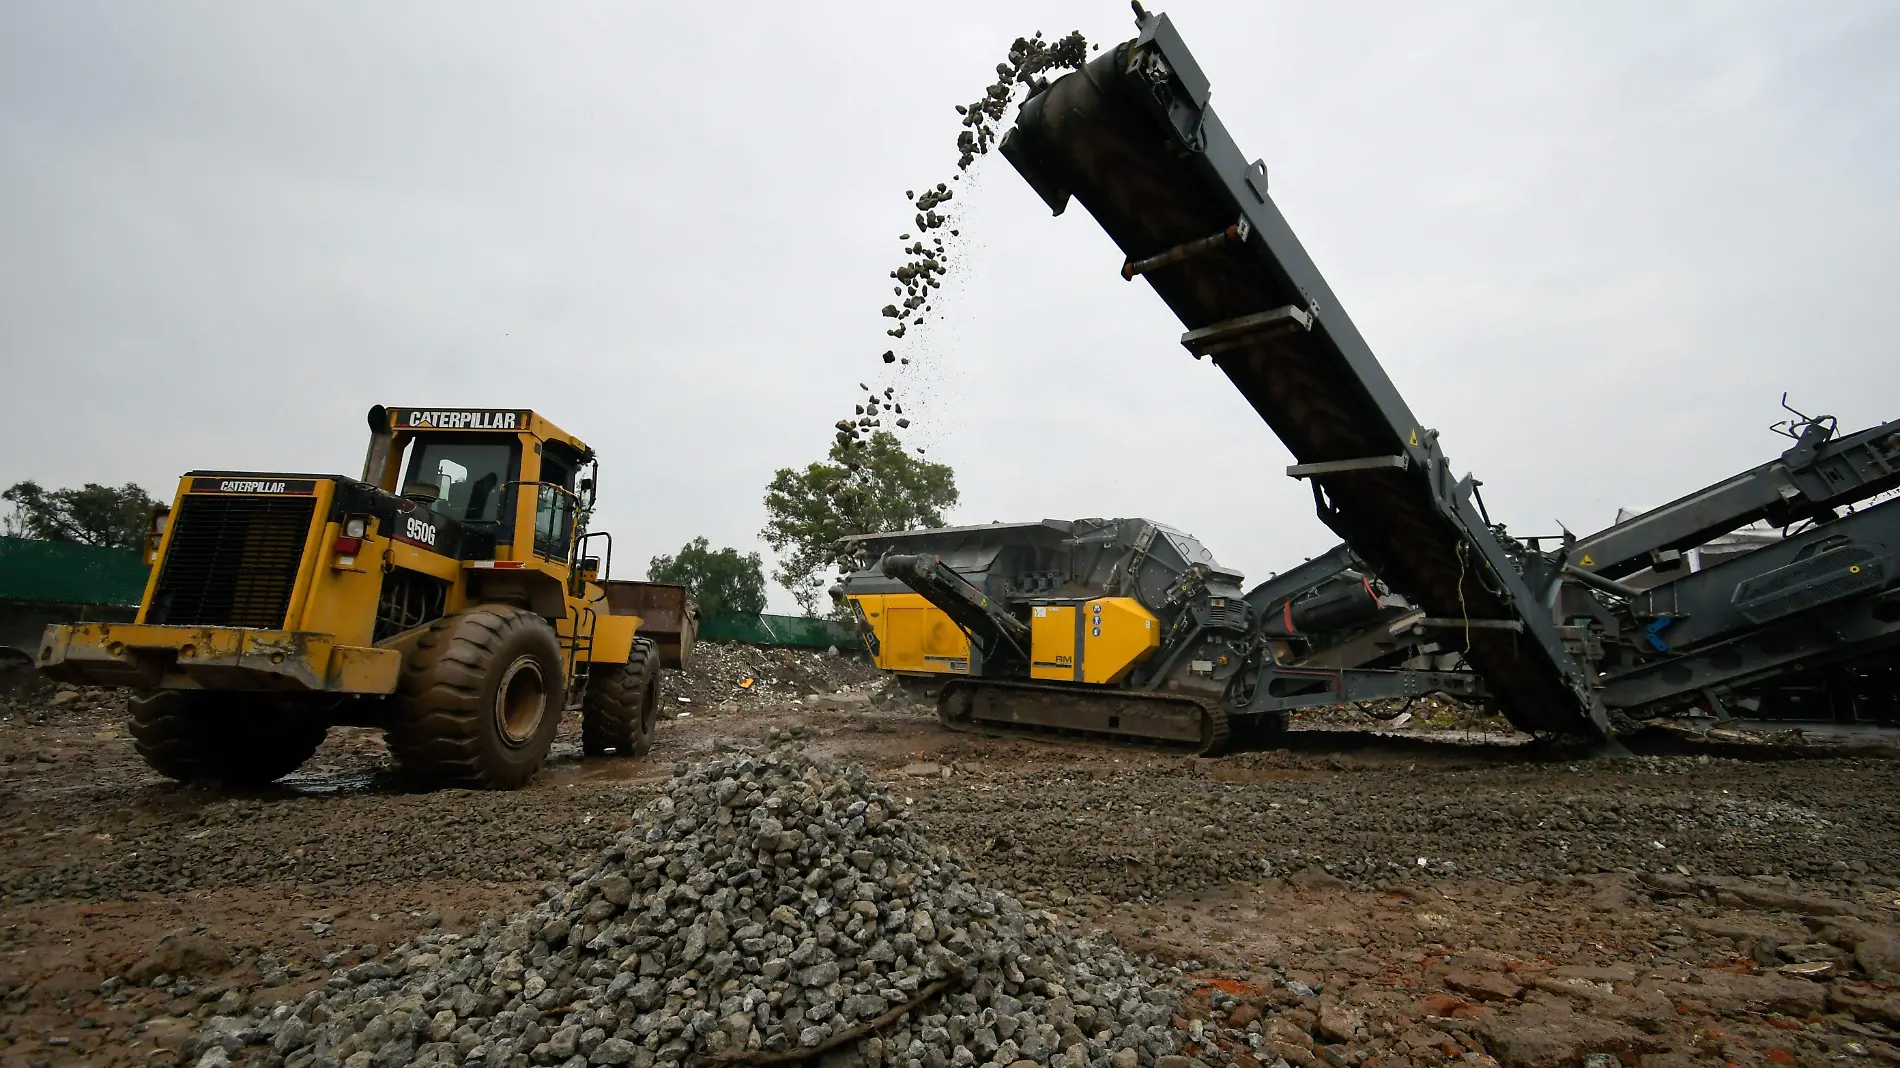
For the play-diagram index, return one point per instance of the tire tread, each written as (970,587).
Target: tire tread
(618,714)
(438,730)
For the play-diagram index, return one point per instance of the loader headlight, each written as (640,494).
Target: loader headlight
(349,540)
(160,519)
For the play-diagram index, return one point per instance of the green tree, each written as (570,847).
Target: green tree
(724,583)
(862,489)
(115,517)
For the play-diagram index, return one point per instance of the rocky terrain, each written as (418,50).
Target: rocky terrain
(1396,901)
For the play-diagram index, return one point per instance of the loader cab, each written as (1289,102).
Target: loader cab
(507,475)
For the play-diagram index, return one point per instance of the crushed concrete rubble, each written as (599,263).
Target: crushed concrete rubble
(763,905)
(730,677)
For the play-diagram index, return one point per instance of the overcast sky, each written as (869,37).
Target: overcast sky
(1592,243)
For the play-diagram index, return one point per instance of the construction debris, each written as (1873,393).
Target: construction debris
(752,676)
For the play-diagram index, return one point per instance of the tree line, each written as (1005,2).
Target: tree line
(115,517)
(854,490)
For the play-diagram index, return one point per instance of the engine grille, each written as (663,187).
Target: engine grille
(232,561)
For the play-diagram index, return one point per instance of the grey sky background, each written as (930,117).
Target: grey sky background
(1591,243)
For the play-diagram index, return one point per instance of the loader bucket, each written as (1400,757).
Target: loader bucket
(668,617)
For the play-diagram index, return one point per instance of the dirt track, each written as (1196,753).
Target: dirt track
(1393,905)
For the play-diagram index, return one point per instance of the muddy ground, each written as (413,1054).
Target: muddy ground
(1415,901)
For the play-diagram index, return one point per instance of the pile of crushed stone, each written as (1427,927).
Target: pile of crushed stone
(762,909)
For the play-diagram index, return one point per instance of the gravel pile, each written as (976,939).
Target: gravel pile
(761,905)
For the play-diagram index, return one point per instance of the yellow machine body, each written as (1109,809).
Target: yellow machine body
(913,637)
(1053,648)
(1098,641)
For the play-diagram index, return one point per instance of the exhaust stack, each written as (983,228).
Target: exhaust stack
(380,439)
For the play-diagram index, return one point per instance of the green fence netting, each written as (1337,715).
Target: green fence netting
(66,572)
(799,631)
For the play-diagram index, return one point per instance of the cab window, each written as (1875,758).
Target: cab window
(553,521)
(555,504)
(460,477)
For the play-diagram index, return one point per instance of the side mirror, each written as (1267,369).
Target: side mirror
(587,492)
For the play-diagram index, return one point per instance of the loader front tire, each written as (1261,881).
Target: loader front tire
(479,701)
(239,739)
(623,705)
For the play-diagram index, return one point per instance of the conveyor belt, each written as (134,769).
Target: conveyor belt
(1132,138)
(1818,475)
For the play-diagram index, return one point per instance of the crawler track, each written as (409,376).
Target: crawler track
(1149,720)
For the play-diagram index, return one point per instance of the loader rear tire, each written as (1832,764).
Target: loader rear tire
(480,700)
(623,705)
(239,739)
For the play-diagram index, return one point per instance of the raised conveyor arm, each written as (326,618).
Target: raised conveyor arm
(1133,138)
(1819,474)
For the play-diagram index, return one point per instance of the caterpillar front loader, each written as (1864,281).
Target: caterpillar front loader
(446,597)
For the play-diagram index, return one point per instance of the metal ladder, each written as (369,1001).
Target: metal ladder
(579,648)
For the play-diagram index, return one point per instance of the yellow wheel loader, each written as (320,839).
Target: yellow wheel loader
(448,596)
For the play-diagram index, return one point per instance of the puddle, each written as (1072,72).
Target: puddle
(306,784)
